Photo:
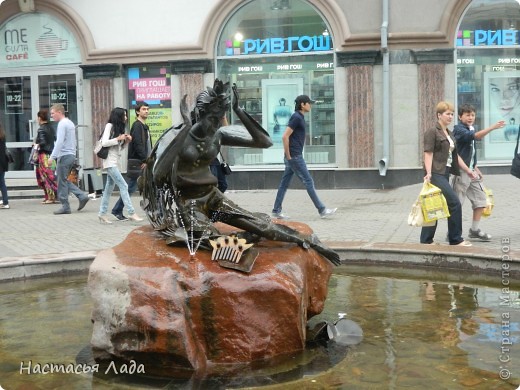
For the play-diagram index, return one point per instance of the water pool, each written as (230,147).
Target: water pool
(422,329)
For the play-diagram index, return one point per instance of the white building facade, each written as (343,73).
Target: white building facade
(376,68)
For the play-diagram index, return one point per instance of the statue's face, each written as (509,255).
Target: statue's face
(218,107)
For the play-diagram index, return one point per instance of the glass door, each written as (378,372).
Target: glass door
(21,97)
(15,116)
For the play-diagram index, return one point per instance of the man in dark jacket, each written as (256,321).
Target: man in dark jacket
(138,149)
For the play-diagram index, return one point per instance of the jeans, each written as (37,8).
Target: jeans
(114,177)
(217,171)
(455,208)
(296,165)
(132,186)
(64,186)
(3,189)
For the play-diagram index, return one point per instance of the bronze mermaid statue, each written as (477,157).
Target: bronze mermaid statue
(180,194)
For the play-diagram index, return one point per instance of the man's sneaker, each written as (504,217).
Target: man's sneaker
(120,217)
(464,243)
(479,234)
(83,202)
(4,206)
(325,213)
(279,215)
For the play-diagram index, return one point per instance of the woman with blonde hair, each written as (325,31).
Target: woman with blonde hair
(441,159)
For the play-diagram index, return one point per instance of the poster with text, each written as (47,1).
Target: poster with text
(151,84)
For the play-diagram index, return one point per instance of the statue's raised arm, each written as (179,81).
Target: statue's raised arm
(254,135)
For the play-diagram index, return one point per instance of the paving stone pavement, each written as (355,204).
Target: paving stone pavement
(364,215)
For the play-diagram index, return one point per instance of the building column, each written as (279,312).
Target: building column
(101,80)
(190,78)
(359,68)
(431,65)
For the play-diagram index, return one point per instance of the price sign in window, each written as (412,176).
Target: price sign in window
(13,98)
(58,93)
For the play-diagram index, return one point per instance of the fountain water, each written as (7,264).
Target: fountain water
(422,329)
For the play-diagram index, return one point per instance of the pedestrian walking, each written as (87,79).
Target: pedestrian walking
(139,149)
(293,142)
(45,171)
(472,188)
(441,159)
(114,137)
(4,167)
(64,153)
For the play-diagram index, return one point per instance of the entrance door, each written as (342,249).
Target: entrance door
(21,97)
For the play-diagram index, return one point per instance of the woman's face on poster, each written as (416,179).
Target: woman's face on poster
(504,94)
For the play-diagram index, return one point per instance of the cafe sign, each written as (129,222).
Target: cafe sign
(36,39)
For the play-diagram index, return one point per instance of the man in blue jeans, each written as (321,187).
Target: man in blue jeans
(293,141)
(64,153)
(139,149)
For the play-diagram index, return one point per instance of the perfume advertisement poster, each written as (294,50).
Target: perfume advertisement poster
(501,102)
(277,107)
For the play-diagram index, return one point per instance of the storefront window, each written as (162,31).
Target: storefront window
(151,84)
(488,77)
(275,51)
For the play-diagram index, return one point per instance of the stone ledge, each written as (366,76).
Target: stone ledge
(12,268)
(483,259)
(474,259)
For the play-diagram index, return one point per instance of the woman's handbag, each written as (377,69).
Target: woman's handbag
(515,164)
(9,156)
(224,166)
(33,157)
(101,151)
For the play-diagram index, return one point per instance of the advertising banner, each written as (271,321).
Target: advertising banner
(152,84)
(501,92)
(277,107)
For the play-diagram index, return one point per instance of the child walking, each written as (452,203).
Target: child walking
(465,136)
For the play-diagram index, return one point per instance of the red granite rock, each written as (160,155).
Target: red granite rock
(173,313)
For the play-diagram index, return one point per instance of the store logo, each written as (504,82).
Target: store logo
(487,37)
(48,45)
(278,45)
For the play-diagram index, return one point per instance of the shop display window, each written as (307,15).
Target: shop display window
(274,51)
(488,73)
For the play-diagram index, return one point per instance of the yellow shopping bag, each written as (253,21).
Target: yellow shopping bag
(490,203)
(433,203)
